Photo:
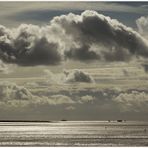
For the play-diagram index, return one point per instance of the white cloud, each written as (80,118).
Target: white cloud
(51,77)
(11,91)
(13,95)
(61,99)
(133,101)
(142,24)
(87,98)
(70,108)
(4,68)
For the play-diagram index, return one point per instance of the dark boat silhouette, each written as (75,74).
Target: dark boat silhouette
(119,120)
(63,120)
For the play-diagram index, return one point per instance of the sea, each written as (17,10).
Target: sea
(74,133)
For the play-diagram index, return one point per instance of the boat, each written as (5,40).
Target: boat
(119,120)
(63,120)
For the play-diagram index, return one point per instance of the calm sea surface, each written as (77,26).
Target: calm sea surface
(74,133)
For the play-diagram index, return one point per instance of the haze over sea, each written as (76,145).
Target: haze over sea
(74,133)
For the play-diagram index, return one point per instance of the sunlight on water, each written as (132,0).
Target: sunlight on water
(74,133)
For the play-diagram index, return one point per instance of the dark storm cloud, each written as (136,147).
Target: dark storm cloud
(81,53)
(43,52)
(28,45)
(89,36)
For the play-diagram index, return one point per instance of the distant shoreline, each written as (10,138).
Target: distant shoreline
(23,121)
(50,121)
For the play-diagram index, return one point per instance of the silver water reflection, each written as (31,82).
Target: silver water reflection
(74,133)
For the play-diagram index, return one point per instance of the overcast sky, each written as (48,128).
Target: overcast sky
(74,60)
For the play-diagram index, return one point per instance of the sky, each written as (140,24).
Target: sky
(73,60)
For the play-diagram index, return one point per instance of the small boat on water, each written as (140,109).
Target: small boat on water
(119,120)
(63,120)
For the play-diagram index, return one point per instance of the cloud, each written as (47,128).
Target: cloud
(142,24)
(126,72)
(70,108)
(31,84)
(67,76)
(145,66)
(61,99)
(87,98)
(53,100)
(4,68)
(11,91)
(89,36)
(77,75)
(27,45)
(51,77)
(95,36)
(13,95)
(132,101)
(71,99)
